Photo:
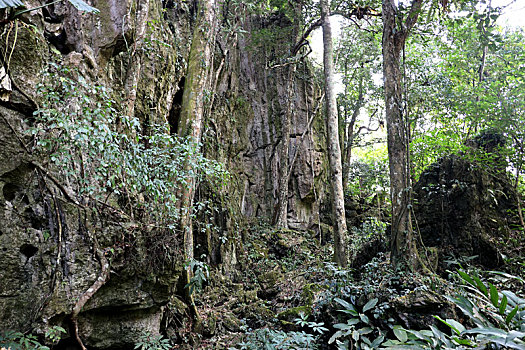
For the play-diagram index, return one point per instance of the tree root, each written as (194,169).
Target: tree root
(84,298)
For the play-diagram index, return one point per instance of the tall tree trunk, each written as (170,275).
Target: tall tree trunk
(135,65)
(403,243)
(334,149)
(192,113)
(350,134)
(282,218)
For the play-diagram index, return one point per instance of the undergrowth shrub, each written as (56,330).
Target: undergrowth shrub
(106,159)
(102,153)
(20,341)
(498,319)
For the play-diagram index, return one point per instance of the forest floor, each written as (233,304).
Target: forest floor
(288,292)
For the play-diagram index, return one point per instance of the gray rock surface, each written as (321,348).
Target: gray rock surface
(47,243)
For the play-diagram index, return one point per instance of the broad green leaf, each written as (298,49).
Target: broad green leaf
(480,285)
(462,341)
(503,305)
(377,341)
(11,3)
(82,6)
(370,305)
(448,324)
(487,331)
(364,318)
(507,275)
(365,330)
(466,277)
(510,316)
(400,334)
(345,304)
(507,344)
(493,295)
(335,336)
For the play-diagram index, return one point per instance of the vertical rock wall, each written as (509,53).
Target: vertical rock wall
(48,243)
(252,99)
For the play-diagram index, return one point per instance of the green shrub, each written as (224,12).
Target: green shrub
(105,156)
(499,319)
(148,341)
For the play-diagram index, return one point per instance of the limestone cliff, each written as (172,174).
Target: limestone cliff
(55,243)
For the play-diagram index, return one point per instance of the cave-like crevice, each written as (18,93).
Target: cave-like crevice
(176,106)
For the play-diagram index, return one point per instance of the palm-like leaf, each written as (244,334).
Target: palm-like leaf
(82,6)
(11,3)
(79,4)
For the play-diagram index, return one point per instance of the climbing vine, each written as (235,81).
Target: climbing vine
(103,156)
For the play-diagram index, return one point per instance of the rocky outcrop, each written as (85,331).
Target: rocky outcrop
(251,94)
(465,210)
(51,243)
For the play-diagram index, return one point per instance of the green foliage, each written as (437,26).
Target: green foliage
(200,275)
(82,6)
(148,341)
(79,5)
(11,3)
(269,339)
(499,319)
(468,79)
(368,177)
(358,332)
(317,327)
(20,341)
(371,229)
(54,334)
(104,155)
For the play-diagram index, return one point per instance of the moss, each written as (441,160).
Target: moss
(294,312)
(270,278)
(260,249)
(258,311)
(309,291)
(230,322)
(288,238)
(207,325)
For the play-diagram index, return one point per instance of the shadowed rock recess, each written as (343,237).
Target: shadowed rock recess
(54,243)
(464,210)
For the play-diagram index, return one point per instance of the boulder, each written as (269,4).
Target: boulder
(463,209)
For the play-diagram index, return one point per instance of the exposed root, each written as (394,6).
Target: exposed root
(84,298)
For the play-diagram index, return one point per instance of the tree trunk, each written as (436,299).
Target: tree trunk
(192,112)
(282,219)
(334,149)
(135,65)
(350,134)
(403,244)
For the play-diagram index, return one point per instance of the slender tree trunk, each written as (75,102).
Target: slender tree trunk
(334,149)
(351,135)
(282,219)
(403,243)
(192,112)
(518,199)
(135,65)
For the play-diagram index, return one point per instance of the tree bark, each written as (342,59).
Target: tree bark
(135,65)
(192,114)
(403,244)
(334,149)
(350,134)
(282,218)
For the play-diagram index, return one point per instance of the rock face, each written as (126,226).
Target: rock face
(49,244)
(464,210)
(247,129)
